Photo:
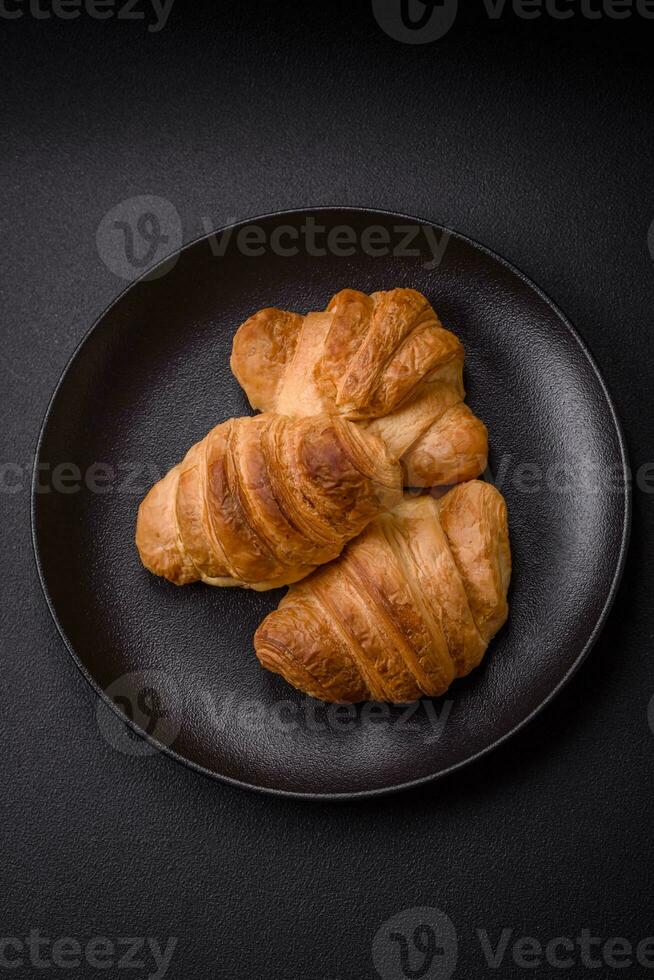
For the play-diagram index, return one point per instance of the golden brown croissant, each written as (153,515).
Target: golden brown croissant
(262,501)
(409,606)
(383,360)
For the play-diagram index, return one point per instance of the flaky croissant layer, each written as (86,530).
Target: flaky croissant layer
(384,361)
(409,606)
(260,502)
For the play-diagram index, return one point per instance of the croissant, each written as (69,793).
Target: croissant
(262,501)
(384,361)
(411,605)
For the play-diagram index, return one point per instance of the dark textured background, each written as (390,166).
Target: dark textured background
(535,138)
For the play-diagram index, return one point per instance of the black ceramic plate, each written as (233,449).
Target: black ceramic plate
(152,377)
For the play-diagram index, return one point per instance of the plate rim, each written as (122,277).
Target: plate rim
(365,794)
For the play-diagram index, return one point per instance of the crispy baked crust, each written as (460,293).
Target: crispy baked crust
(262,501)
(408,607)
(384,361)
